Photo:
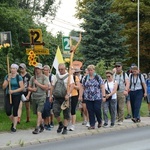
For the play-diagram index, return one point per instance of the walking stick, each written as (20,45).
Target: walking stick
(8,70)
(72,51)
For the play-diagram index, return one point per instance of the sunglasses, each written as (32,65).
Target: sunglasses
(117,66)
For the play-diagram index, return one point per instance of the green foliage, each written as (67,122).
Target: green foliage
(102,39)
(16,17)
(102,66)
(128,9)
(35,8)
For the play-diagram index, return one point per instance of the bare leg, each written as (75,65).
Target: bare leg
(20,111)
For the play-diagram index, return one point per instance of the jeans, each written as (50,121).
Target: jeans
(110,106)
(136,100)
(94,110)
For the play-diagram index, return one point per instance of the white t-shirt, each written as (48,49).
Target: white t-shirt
(65,81)
(111,87)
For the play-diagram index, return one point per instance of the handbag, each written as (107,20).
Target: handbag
(108,92)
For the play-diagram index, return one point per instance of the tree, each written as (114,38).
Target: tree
(128,9)
(38,8)
(19,21)
(102,39)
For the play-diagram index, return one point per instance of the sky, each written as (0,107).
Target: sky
(65,20)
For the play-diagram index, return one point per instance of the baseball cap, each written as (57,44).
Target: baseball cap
(22,65)
(39,65)
(118,64)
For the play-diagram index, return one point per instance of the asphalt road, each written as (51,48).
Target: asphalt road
(130,139)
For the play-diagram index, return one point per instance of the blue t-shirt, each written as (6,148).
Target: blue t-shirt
(148,86)
(14,84)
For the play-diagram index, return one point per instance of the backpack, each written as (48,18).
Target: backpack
(59,89)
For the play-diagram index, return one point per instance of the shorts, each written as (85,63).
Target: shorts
(38,105)
(127,98)
(47,109)
(57,109)
(148,98)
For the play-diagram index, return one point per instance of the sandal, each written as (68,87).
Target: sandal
(138,120)
(134,120)
(99,125)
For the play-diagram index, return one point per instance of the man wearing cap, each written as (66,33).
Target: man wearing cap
(58,101)
(26,78)
(122,91)
(38,85)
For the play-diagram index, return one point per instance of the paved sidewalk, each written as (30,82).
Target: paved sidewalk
(10,140)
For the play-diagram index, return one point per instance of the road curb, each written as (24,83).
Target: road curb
(86,132)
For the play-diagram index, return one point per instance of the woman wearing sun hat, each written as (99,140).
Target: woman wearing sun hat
(16,84)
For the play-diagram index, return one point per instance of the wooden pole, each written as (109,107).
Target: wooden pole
(8,70)
(72,51)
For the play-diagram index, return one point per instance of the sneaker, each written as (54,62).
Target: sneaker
(128,116)
(13,129)
(84,123)
(36,130)
(64,131)
(47,127)
(41,128)
(52,125)
(87,124)
(60,128)
(112,125)
(72,128)
(11,126)
(120,123)
(105,125)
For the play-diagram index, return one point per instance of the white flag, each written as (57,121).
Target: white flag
(58,59)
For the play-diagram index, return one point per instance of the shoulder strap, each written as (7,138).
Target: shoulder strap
(124,76)
(17,77)
(131,80)
(63,77)
(97,78)
(141,80)
(85,79)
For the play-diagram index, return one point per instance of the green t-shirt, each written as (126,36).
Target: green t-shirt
(14,83)
(40,93)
